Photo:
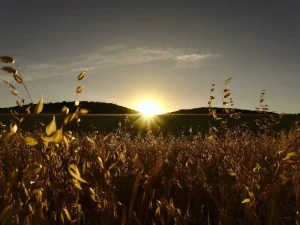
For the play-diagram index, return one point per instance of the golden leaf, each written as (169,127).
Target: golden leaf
(10,70)
(73,116)
(51,127)
(32,171)
(227,95)
(79,89)
(65,110)
(228,80)
(13,128)
(81,75)
(13,177)
(90,140)
(57,136)
(83,111)
(19,103)
(30,141)
(77,184)
(66,142)
(13,91)
(66,120)
(178,184)
(18,79)
(74,172)
(28,109)
(100,162)
(67,214)
(246,200)
(39,107)
(289,155)
(47,139)
(7,59)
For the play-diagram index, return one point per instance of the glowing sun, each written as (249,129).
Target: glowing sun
(149,108)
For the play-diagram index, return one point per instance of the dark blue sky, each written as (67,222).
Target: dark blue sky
(171,51)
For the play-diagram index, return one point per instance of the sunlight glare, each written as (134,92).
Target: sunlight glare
(149,108)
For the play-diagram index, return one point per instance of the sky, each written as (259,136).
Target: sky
(169,51)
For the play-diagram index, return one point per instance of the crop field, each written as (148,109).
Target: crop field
(76,168)
(223,175)
(168,123)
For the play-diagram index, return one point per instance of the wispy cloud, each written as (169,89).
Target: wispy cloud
(195,57)
(116,56)
(192,61)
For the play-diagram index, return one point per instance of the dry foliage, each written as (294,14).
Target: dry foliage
(223,176)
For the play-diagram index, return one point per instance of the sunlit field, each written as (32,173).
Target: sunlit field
(238,169)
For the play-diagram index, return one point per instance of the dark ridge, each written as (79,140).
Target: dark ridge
(205,110)
(93,107)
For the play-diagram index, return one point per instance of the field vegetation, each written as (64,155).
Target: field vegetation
(223,175)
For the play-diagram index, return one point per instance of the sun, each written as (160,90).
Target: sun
(149,107)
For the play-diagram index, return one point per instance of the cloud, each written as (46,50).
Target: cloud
(192,61)
(116,56)
(195,57)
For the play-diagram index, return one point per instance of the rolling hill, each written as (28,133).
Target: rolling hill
(93,107)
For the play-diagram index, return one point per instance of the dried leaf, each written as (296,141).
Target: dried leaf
(228,80)
(66,142)
(79,89)
(67,119)
(18,79)
(51,127)
(13,128)
(57,136)
(227,95)
(13,177)
(289,155)
(13,91)
(90,140)
(32,171)
(67,214)
(19,103)
(39,107)
(83,111)
(246,200)
(28,109)
(74,172)
(10,70)
(81,75)
(100,162)
(7,59)
(178,184)
(47,139)
(30,141)
(65,110)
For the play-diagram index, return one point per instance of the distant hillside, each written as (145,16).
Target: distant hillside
(205,110)
(93,107)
